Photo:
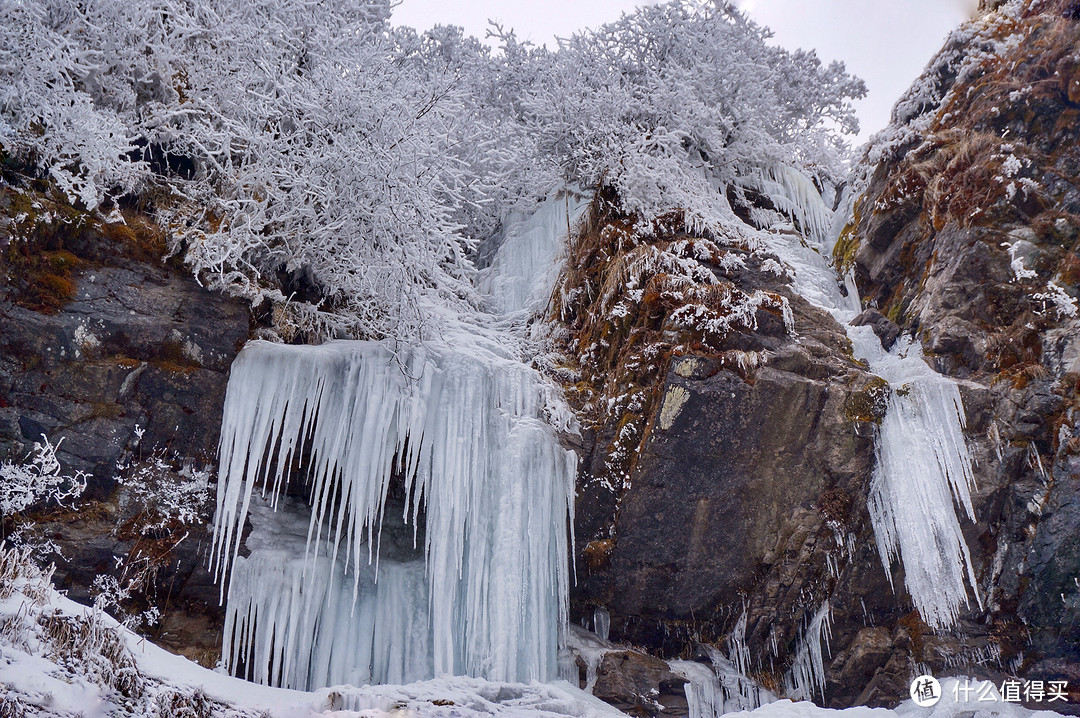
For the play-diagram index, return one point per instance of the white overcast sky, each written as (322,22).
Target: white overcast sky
(885,42)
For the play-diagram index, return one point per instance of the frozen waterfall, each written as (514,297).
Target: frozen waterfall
(922,471)
(410,506)
(922,468)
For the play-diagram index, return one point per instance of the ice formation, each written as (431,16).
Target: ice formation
(601,622)
(807,673)
(704,694)
(922,467)
(796,196)
(458,437)
(719,687)
(532,246)
(712,689)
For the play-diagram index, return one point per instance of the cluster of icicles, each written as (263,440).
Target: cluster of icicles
(432,538)
(922,465)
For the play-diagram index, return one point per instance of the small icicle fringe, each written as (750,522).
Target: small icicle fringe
(794,194)
(807,673)
(464,431)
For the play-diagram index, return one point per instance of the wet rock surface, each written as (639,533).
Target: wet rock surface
(639,684)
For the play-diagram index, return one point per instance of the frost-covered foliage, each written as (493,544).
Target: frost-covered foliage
(343,169)
(37,480)
(674,104)
(1056,298)
(157,496)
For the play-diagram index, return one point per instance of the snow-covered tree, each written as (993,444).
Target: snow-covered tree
(343,169)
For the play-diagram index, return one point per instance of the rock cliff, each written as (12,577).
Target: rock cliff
(724,499)
(967,235)
(121,358)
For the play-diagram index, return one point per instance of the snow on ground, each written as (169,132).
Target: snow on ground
(59,658)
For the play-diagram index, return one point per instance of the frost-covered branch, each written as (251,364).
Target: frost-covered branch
(37,480)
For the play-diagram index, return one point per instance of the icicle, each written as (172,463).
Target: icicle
(922,467)
(723,689)
(489,475)
(601,622)
(592,651)
(704,694)
(853,300)
(807,673)
(738,652)
(288,622)
(794,194)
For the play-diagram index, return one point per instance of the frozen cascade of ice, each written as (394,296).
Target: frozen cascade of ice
(704,694)
(526,267)
(351,647)
(722,689)
(923,469)
(467,433)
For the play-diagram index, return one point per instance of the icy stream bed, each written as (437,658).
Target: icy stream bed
(922,471)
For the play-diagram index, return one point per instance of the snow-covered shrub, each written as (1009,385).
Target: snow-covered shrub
(61,658)
(158,498)
(85,645)
(1056,298)
(37,480)
(115,596)
(91,648)
(159,506)
(675,103)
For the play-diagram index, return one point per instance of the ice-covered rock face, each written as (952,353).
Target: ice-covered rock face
(463,433)
(761,486)
(966,233)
